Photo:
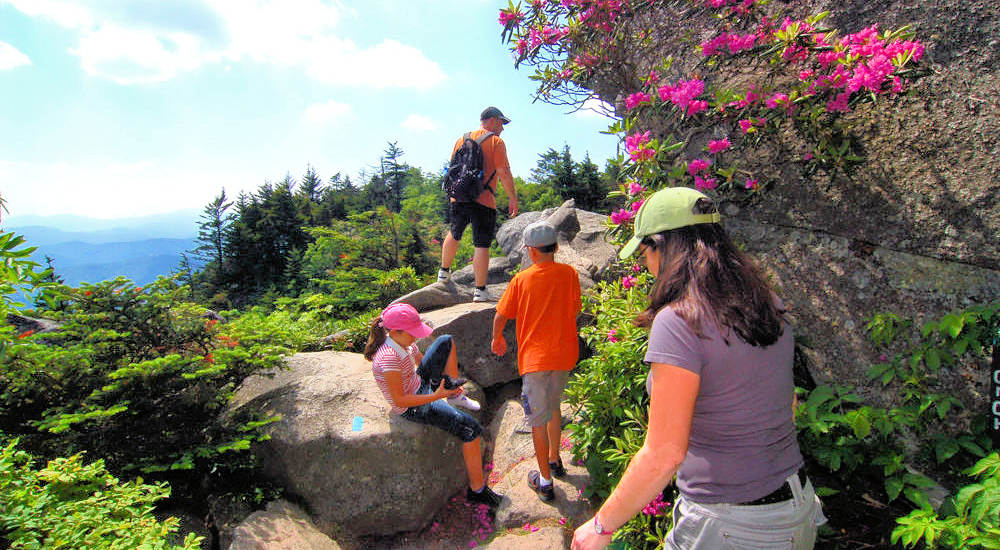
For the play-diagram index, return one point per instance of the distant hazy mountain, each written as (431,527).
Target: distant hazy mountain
(141,261)
(39,230)
(94,250)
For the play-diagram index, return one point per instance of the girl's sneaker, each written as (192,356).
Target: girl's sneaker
(485,496)
(461,400)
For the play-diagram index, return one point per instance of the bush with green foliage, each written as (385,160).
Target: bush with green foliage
(69,505)
(138,377)
(609,393)
(969,520)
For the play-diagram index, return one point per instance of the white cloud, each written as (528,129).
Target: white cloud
(326,113)
(141,41)
(11,57)
(113,189)
(593,107)
(419,123)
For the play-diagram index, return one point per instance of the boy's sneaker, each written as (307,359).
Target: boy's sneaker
(545,492)
(444,275)
(452,383)
(485,496)
(461,400)
(557,469)
(481,295)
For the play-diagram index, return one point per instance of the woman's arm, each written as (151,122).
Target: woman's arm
(671,407)
(394,380)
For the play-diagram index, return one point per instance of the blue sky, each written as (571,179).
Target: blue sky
(120,108)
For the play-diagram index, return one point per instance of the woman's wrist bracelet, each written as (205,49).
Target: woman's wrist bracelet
(599,529)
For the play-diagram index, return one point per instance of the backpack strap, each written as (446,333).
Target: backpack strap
(479,141)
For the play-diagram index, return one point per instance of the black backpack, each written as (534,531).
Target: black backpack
(464,180)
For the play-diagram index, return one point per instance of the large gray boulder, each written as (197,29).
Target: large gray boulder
(390,476)
(832,285)
(581,240)
(282,526)
(458,290)
(471,325)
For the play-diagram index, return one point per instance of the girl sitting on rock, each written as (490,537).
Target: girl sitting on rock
(429,392)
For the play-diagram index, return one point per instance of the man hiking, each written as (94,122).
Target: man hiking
(480,210)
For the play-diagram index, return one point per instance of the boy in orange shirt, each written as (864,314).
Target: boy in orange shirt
(544,301)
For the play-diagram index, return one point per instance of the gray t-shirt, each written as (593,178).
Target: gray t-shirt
(742,444)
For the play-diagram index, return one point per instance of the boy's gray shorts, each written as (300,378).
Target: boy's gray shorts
(541,394)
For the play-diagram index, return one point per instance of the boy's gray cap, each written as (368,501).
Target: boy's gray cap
(539,234)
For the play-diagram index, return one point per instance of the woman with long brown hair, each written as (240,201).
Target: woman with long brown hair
(721,393)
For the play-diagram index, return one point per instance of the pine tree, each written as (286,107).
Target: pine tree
(211,238)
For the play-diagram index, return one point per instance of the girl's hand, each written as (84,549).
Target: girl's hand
(586,538)
(442,392)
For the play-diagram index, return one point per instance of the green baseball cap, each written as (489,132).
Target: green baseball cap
(666,209)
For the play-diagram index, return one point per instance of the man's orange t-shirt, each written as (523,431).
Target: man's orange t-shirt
(494,158)
(544,301)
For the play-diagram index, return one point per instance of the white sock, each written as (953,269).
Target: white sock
(543,482)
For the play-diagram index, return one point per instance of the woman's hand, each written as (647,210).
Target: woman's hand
(586,538)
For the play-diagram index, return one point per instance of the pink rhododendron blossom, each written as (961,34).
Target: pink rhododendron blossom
(636,99)
(807,156)
(621,216)
(698,165)
(775,100)
(683,93)
(507,17)
(637,140)
(751,183)
(806,75)
(628,282)
(653,77)
(696,107)
(825,59)
(718,145)
(562,521)
(635,188)
(746,125)
(637,205)
(636,268)
(641,155)
(838,104)
(657,507)
(704,184)
(613,339)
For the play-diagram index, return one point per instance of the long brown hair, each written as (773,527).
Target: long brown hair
(706,279)
(376,337)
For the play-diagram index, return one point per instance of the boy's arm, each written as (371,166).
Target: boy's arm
(499,345)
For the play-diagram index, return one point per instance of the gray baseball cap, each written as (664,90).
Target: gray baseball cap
(539,234)
(493,112)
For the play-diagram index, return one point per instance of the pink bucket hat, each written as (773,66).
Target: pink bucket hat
(400,316)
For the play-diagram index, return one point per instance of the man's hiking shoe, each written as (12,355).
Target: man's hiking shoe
(545,492)
(557,469)
(444,275)
(452,383)
(485,496)
(461,400)
(481,295)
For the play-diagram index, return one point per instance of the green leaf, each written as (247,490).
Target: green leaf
(933,359)
(860,424)
(916,496)
(893,486)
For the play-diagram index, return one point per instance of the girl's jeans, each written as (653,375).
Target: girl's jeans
(439,413)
